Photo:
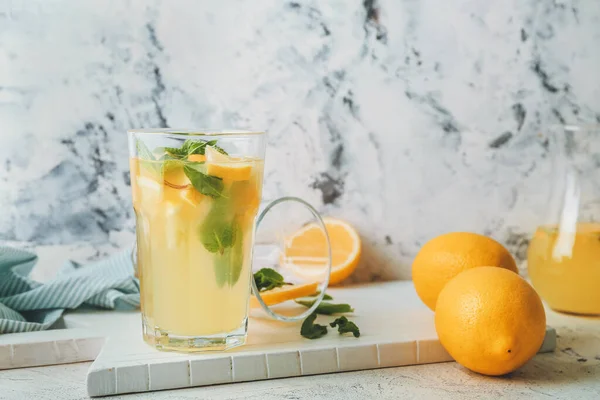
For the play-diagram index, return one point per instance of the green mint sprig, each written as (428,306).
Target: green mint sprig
(190,147)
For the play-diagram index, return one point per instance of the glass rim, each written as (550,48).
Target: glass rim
(198,132)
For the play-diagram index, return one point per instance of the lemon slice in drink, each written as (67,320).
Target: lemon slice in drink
(147,191)
(225,167)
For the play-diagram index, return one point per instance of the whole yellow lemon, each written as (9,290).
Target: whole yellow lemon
(445,256)
(490,320)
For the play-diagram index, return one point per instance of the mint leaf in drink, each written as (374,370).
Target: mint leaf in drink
(216,236)
(237,255)
(228,235)
(267,279)
(184,150)
(326,308)
(147,159)
(218,230)
(175,152)
(205,184)
(229,258)
(345,326)
(211,239)
(310,330)
(192,146)
(170,164)
(221,265)
(143,152)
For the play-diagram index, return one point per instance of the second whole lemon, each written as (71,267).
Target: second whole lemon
(490,320)
(445,256)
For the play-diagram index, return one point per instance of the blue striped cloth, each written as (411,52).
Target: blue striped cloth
(27,305)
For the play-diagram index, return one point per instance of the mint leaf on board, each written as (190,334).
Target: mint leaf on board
(205,184)
(267,279)
(310,330)
(345,326)
(326,308)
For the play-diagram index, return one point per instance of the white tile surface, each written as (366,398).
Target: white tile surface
(211,371)
(67,350)
(133,378)
(397,354)
(319,361)
(430,351)
(284,364)
(395,327)
(358,356)
(58,346)
(102,382)
(170,375)
(249,367)
(6,356)
(40,354)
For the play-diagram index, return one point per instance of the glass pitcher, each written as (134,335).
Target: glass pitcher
(196,196)
(564,254)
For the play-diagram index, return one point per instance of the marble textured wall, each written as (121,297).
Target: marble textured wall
(407,118)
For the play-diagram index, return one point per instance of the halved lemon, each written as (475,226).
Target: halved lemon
(305,251)
(284,293)
(225,167)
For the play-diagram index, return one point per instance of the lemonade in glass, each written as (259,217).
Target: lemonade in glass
(196,196)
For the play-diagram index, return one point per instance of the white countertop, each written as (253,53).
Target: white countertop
(571,372)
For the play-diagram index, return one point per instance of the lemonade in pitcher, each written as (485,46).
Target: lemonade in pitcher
(564,253)
(195,205)
(564,266)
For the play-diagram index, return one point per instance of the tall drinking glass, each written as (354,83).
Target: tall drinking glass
(196,196)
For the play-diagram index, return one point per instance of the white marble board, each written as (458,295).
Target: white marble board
(396,330)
